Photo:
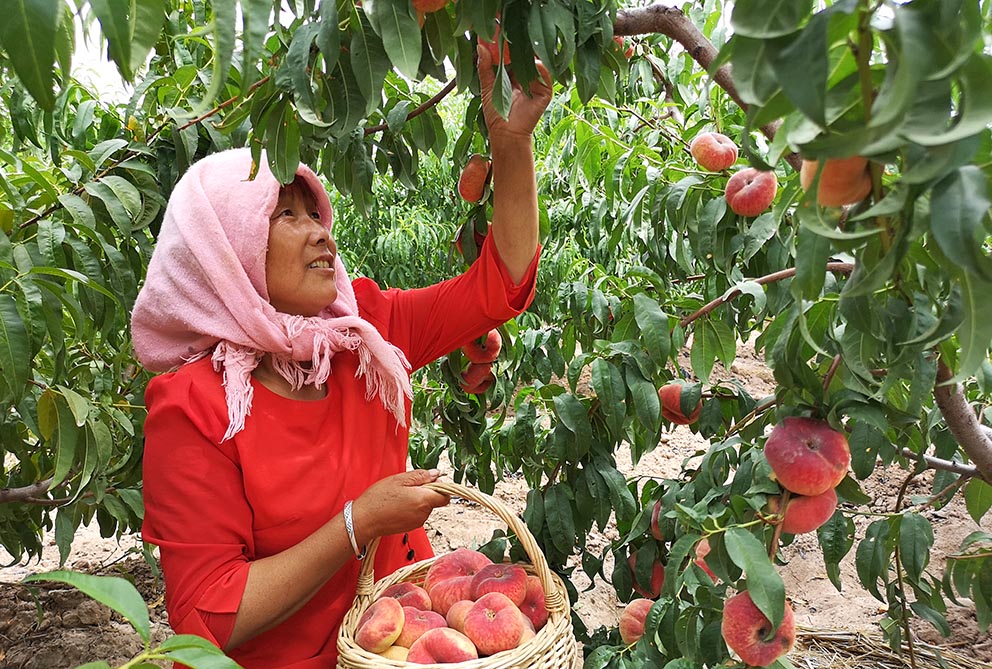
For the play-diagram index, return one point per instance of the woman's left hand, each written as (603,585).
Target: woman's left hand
(525,110)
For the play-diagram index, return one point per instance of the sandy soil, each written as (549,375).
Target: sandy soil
(72,630)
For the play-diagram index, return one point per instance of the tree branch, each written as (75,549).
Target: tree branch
(28,493)
(962,421)
(966,471)
(673,22)
(839,267)
(450,86)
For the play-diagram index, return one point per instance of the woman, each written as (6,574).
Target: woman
(275,449)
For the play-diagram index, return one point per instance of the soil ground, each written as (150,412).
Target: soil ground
(62,629)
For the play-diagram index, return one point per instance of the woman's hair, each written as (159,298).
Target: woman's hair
(299,187)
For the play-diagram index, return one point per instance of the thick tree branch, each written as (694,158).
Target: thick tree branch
(962,421)
(28,493)
(673,23)
(967,471)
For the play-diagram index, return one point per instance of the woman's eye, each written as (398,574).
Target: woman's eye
(315,215)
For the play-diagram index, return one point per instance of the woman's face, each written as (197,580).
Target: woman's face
(299,262)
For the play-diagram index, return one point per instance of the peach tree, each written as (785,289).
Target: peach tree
(870,314)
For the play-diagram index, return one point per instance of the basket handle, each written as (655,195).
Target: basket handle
(554,599)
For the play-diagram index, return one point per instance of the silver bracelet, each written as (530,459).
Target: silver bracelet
(349,525)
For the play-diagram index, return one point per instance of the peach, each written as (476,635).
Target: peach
(474,177)
(475,374)
(460,562)
(670,395)
(380,625)
(632,620)
(805,513)
(713,151)
(657,578)
(415,623)
(428,6)
(480,387)
(442,645)
(750,192)
(628,51)
(655,520)
(702,550)
(456,614)
(843,180)
(409,594)
(509,579)
(807,456)
(701,563)
(746,631)
(449,591)
(494,623)
(397,653)
(484,350)
(533,606)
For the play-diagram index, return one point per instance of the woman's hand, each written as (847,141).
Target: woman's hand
(525,110)
(396,504)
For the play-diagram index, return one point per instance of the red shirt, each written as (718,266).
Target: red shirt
(213,508)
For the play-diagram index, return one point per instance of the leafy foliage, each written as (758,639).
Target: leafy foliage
(858,311)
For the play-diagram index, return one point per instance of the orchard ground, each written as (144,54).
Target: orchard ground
(73,629)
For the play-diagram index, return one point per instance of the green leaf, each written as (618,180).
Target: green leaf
(958,208)
(118,212)
(647,406)
(27,34)
(752,68)
(64,437)
(574,415)
(15,348)
(976,106)
(146,25)
(117,593)
(558,512)
(802,69)
(763,581)
(283,138)
(872,558)
(126,192)
(763,19)
(711,339)
(909,60)
(836,538)
(255,24)
(369,61)
(116,27)
(812,253)
(78,405)
(222,24)
(915,542)
(975,333)
(653,324)
(977,498)
(400,33)
(607,382)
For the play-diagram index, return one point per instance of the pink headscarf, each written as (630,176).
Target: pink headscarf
(205,289)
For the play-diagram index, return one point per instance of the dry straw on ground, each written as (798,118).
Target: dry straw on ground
(820,649)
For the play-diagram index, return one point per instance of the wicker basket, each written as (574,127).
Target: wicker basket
(554,646)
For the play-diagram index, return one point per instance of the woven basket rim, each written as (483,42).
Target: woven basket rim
(553,646)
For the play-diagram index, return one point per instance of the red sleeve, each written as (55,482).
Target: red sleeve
(427,323)
(204,556)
